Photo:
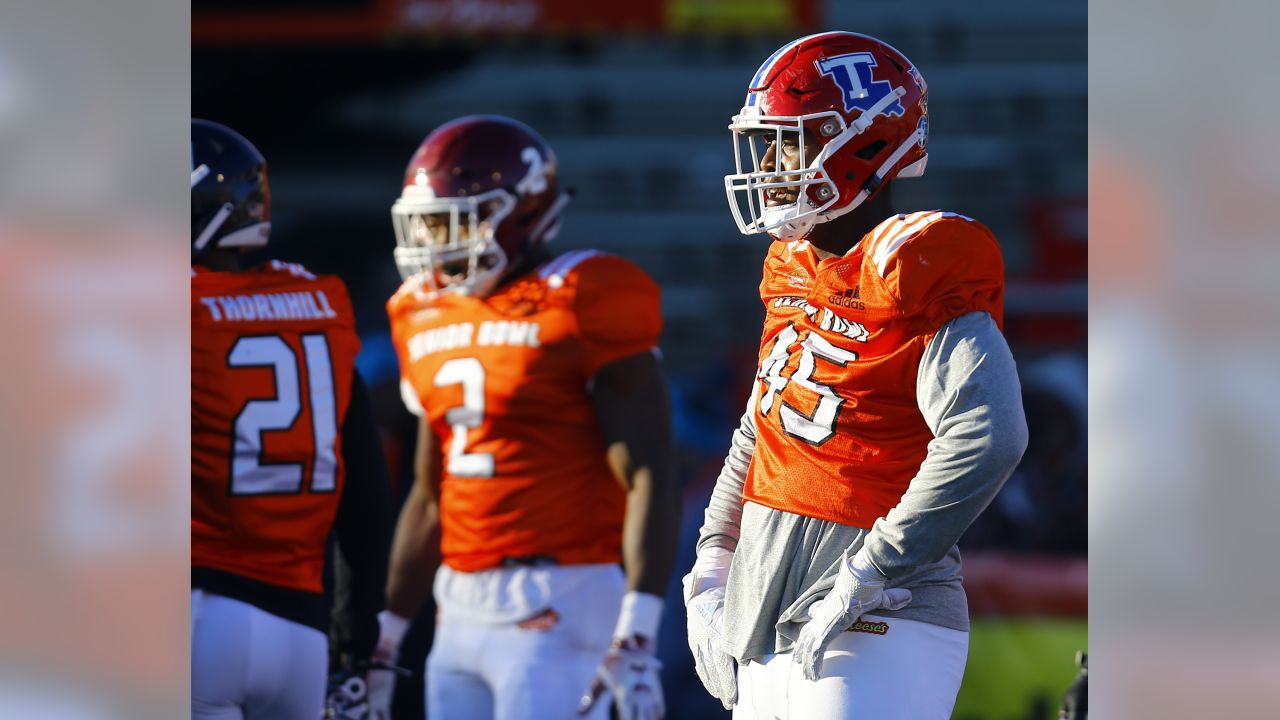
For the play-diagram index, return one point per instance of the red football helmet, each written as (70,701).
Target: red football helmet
(479,193)
(861,99)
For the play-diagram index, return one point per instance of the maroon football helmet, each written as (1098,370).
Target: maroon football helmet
(479,194)
(859,97)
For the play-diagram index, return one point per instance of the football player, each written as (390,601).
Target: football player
(885,416)
(543,455)
(283,449)
(1075,702)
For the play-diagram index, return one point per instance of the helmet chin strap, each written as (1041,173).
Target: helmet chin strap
(791,226)
(865,119)
(419,283)
(549,225)
(912,139)
(485,281)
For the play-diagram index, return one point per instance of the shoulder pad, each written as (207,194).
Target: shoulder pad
(294,269)
(556,270)
(889,236)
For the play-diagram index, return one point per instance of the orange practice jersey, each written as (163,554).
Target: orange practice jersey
(839,435)
(272,356)
(503,381)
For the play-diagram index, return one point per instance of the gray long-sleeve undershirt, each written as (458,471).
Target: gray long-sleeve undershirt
(968,393)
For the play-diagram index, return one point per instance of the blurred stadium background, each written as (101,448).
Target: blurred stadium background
(635,98)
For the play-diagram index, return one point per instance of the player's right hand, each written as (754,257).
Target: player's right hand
(716,668)
(1075,704)
(859,589)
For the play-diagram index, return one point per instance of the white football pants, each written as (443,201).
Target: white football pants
(912,672)
(247,664)
(481,668)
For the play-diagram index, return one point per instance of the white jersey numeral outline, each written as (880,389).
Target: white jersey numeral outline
(470,374)
(820,426)
(249,474)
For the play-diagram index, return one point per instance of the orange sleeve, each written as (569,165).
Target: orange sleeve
(399,308)
(618,309)
(396,310)
(952,267)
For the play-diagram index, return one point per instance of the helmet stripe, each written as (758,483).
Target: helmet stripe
(763,72)
(755,80)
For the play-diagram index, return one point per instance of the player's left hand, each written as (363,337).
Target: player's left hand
(346,697)
(859,589)
(630,673)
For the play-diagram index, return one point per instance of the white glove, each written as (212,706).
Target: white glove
(630,673)
(704,593)
(381,686)
(630,670)
(716,668)
(859,589)
(381,677)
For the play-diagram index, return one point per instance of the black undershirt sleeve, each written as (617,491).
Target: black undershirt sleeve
(363,529)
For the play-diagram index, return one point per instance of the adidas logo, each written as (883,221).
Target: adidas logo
(850,298)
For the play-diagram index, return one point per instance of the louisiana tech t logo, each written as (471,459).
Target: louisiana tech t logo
(852,74)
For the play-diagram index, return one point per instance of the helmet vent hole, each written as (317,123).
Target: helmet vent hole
(870,150)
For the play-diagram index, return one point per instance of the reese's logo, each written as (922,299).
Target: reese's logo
(869,626)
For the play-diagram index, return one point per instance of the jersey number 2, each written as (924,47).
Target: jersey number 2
(249,474)
(470,374)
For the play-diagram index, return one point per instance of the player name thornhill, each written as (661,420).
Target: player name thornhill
(305,305)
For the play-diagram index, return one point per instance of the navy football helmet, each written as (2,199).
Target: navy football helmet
(230,197)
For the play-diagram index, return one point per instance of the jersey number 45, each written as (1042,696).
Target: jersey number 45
(819,426)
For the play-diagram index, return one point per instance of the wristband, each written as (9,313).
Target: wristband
(862,566)
(392,627)
(640,615)
(712,559)
(711,569)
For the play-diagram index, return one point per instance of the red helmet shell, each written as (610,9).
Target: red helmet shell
(479,153)
(846,73)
